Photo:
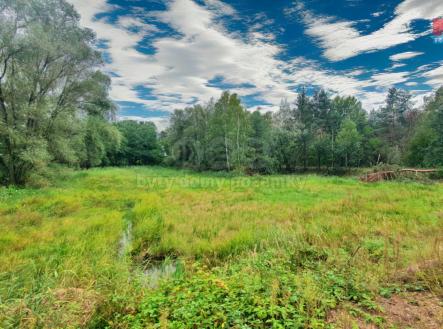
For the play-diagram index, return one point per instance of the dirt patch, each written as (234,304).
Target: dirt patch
(342,319)
(412,310)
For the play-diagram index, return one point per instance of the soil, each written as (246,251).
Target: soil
(412,310)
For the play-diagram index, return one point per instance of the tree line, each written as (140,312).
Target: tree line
(317,131)
(55,108)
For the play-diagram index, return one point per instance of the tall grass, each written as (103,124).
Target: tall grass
(300,244)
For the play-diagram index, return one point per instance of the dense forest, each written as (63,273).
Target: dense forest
(315,132)
(55,108)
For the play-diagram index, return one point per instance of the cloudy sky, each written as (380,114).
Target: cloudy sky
(167,54)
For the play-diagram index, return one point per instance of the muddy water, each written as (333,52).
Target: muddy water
(125,240)
(149,274)
(153,274)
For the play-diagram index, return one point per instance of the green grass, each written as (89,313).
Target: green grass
(250,252)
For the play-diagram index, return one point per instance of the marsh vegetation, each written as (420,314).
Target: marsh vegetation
(211,250)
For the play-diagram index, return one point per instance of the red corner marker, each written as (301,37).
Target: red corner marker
(437,26)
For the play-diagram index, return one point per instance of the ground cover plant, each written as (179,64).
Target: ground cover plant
(148,247)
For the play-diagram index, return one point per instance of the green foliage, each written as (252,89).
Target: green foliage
(54,108)
(215,136)
(255,251)
(260,143)
(139,144)
(48,86)
(426,146)
(255,293)
(349,143)
(283,149)
(95,148)
(437,175)
(316,131)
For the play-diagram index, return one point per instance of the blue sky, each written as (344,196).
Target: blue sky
(167,54)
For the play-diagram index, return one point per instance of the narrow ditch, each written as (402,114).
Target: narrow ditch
(149,272)
(126,238)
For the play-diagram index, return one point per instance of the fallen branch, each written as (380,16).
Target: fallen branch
(418,170)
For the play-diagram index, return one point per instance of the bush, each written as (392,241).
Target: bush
(50,176)
(437,175)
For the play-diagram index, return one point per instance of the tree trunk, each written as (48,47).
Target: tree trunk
(238,139)
(9,162)
(227,153)
(11,174)
(333,150)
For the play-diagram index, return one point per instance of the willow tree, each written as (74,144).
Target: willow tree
(48,81)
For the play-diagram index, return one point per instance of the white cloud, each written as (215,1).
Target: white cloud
(179,70)
(357,72)
(160,122)
(222,9)
(264,108)
(340,39)
(128,22)
(184,65)
(377,14)
(388,79)
(419,96)
(434,76)
(126,62)
(373,99)
(397,65)
(303,71)
(405,55)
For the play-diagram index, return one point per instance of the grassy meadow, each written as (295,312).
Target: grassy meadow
(160,248)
